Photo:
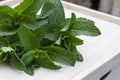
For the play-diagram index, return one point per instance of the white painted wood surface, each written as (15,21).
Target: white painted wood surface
(101,54)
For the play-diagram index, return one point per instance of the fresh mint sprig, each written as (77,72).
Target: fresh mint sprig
(29,40)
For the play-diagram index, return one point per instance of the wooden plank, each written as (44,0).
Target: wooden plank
(101,54)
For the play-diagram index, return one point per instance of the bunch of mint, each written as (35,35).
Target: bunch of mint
(29,40)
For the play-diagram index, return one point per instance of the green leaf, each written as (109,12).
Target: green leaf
(34,7)
(6,27)
(17,62)
(28,39)
(60,55)
(3,57)
(47,9)
(70,43)
(72,20)
(57,16)
(29,71)
(7,49)
(66,42)
(46,29)
(41,23)
(39,40)
(75,41)
(66,25)
(6,10)
(85,26)
(5,53)
(3,41)
(28,57)
(44,60)
(51,28)
(23,6)
(28,22)
(69,23)
(76,53)
(52,36)
(5,19)
(7,30)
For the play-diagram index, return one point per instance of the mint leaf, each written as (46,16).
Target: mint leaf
(42,23)
(6,10)
(75,41)
(28,22)
(47,9)
(70,44)
(28,39)
(76,53)
(85,26)
(72,20)
(5,53)
(17,62)
(5,19)
(6,27)
(47,29)
(28,57)
(57,16)
(23,6)
(34,7)
(44,60)
(29,71)
(60,55)
(38,40)
(66,25)
(3,42)
(69,23)
(7,30)
(52,36)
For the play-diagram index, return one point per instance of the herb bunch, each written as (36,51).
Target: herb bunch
(29,40)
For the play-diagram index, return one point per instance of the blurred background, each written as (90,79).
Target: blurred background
(107,6)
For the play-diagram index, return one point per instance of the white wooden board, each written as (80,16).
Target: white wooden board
(101,54)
